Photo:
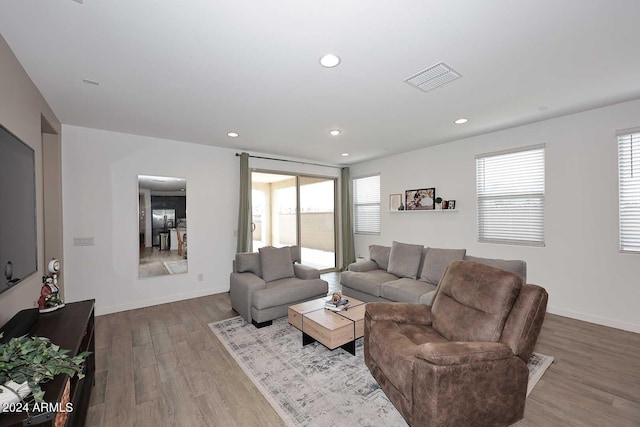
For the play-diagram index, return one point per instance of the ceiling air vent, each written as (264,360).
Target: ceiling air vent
(433,77)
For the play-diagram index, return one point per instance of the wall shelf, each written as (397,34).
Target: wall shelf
(426,210)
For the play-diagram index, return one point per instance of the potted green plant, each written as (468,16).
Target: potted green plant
(438,201)
(35,360)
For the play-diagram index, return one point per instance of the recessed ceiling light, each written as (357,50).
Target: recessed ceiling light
(461,121)
(345,154)
(329,61)
(233,134)
(335,132)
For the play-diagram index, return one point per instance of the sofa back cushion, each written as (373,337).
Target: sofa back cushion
(436,261)
(473,301)
(248,262)
(512,265)
(275,263)
(380,254)
(295,253)
(404,259)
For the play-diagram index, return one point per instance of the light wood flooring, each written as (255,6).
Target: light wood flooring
(151,262)
(162,366)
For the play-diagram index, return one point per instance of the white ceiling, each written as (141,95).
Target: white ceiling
(195,70)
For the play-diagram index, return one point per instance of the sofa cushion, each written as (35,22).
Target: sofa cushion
(473,301)
(275,263)
(287,291)
(248,262)
(436,261)
(427,298)
(404,259)
(513,265)
(380,254)
(405,290)
(368,282)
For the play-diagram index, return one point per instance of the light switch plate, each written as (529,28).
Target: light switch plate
(83,241)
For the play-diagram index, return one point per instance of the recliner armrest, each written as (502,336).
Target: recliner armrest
(399,312)
(305,272)
(460,353)
(361,266)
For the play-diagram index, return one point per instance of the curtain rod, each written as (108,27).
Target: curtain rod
(291,161)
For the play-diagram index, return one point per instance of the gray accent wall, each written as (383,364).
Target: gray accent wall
(24,111)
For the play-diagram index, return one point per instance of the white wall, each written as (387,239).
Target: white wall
(100,194)
(586,276)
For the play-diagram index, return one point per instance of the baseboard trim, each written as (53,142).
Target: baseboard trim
(99,311)
(598,320)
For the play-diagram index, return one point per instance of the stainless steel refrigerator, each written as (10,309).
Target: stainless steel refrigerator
(162,221)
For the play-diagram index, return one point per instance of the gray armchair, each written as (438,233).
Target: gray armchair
(461,361)
(264,284)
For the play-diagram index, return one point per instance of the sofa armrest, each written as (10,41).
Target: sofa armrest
(361,266)
(305,272)
(460,353)
(241,288)
(399,312)
(427,298)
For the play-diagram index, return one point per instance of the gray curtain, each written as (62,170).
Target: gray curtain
(245,239)
(348,249)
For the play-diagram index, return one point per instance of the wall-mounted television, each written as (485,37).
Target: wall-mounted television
(18,218)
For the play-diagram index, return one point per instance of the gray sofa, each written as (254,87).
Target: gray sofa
(409,273)
(265,283)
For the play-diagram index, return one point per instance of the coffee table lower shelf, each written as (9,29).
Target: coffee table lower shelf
(332,329)
(350,346)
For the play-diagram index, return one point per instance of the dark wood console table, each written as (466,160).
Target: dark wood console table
(72,328)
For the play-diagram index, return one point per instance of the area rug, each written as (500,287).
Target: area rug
(176,267)
(312,385)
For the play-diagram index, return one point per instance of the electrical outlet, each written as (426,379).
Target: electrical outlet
(200,277)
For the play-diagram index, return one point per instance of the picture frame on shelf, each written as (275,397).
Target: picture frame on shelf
(451,204)
(420,199)
(395,202)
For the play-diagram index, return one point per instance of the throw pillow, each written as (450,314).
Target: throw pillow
(404,259)
(380,254)
(436,262)
(275,263)
(248,262)
(295,253)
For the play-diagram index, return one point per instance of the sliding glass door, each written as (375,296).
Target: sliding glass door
(318,222)
(296,210)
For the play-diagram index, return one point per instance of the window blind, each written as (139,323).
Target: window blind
(629,191)
(510,189)
(366,204)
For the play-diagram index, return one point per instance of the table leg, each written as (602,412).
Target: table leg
(307,339)
(350,347)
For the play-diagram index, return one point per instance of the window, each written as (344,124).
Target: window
(510,189)
(629,190)
(366,204)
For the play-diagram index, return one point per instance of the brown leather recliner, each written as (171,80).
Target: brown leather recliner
(462,361)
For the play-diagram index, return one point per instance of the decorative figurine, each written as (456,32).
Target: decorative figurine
(335,299)
(49,293)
